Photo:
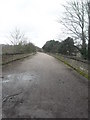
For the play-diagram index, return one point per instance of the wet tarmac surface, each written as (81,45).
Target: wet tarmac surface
(43,87)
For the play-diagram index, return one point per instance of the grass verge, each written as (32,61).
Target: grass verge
(76,69)
(11,58)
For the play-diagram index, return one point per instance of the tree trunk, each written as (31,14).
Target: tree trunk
(89,40)
(83,51)
(89,31)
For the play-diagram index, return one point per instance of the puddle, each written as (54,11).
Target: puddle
(19,77)
(5,81)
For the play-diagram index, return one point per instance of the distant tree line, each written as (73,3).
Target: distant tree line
(18,49)
(66,47)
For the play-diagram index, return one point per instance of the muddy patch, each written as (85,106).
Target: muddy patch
(13,83)
(14,89)
(19,77)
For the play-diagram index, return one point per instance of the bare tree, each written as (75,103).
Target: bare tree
(88,11)
(17,37)
(75,20)
(18,40)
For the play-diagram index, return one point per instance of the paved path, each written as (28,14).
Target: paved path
(43,87)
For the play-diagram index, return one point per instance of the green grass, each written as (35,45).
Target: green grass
(76,69)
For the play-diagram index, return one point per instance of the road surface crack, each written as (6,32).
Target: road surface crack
(10,96)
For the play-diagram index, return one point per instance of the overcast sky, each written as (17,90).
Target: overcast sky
(37,18)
